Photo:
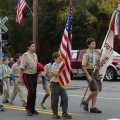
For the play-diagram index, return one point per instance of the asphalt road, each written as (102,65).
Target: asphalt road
(108,102)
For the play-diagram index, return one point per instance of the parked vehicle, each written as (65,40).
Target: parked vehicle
(112,72)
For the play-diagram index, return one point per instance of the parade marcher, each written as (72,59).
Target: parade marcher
(57,90)
(6,80)
(90,60)
(46,84)
(1,84)
(14,76)
(11,62)
(28,69)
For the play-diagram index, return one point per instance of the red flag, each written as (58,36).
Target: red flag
(21,4)
(64,74)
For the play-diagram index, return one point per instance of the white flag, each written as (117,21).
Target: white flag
(106,53)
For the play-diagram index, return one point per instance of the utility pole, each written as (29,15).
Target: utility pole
(35,23)
(71,3)
(0,38)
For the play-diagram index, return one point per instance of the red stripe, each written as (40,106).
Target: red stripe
(66,79)
(26,83)
(61,68)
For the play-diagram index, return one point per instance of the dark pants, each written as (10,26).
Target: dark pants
(31,85)
(1,87)
(56,91)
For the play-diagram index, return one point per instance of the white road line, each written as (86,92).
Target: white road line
(113,119)
(106,98)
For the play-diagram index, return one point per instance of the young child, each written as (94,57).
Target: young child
(17,89)
(57,90)
(46,75)
(6,80)
(1,84)
(90,60)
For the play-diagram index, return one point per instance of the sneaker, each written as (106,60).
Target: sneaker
(43,106)
(35,112)
(56,116)
(29,113)
(4,101)
(85,106)
(2,108)
(7,101)
(11,103)
(66,116)
(95,110)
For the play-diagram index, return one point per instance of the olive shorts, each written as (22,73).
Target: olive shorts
(96,84)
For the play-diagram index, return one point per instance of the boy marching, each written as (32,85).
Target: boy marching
(90,60)
(57,90)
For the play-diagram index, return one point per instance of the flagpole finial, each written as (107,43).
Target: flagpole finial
(118,8)
(71,3)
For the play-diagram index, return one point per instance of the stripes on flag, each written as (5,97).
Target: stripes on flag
(64,74)
(21,4)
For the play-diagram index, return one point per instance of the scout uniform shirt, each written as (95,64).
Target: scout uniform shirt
(1,72)
(54,72)
(90,59)
(6,70)
(15,69)
(29,63)
(47,72)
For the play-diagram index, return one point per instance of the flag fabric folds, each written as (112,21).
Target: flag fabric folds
(64,74)
(107,47)
(21,4)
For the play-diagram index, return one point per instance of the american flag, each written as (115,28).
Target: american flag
(21,4)
(64,74)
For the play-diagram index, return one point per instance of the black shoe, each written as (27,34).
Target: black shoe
(29,113)
(66,116)
(56,116)
(85,106)
(35,112)
(95,110)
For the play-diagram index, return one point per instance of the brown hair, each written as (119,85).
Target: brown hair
(29,43)
(89,41)
(55,55)
(5,58)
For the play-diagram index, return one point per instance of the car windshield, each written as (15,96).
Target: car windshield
(115,54)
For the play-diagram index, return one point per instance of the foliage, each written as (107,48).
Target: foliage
(90,19)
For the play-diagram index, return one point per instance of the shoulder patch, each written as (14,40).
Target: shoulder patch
(25,55)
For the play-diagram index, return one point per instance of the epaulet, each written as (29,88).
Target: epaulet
(86,53)
(25,55)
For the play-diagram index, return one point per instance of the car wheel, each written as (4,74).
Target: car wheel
(111,74)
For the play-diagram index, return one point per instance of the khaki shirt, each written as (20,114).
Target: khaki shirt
(2,70)
(54,72)
(47,72)
(87,60)
(29,63)
(6,72)
(15,69)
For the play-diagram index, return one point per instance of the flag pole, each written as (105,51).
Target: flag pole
(71,3)
(29,8)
